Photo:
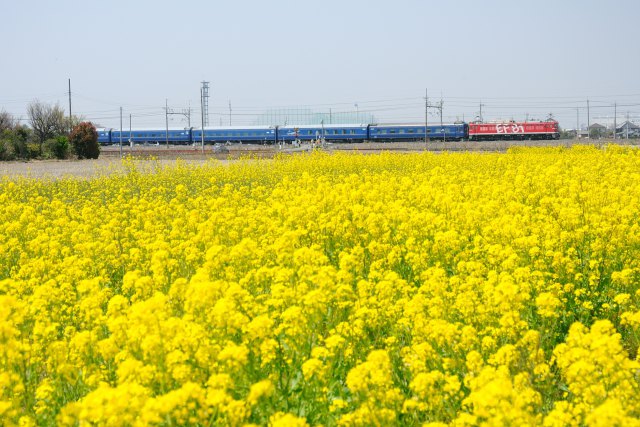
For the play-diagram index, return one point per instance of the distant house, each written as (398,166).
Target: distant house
(597,127)
(628,129)
(597,130)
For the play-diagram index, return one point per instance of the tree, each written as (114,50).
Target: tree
(84,140)
(7,121)
(73,121)
(13,143)
(46,120)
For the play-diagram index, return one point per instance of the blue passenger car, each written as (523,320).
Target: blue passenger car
(456,131)
(415,132)
(246,134)
(152,136)
(346,133)
(104,136)
(300,133)
(335,133)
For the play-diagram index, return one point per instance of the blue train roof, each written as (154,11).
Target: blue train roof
(235,128)
(326,126)
(404,125)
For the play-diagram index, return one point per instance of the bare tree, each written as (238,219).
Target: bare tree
(7,121)
(46,120)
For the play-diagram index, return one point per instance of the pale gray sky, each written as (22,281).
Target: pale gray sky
(515,57)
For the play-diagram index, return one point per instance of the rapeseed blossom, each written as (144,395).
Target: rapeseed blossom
(390,289)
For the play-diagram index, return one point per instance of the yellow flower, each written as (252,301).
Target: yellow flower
(259,390)
(281,419)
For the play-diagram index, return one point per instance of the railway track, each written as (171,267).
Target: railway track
(236,151)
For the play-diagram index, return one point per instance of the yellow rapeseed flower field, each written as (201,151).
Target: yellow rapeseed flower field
(337,290)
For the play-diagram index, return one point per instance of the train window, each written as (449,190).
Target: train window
(401,131)
(411,131)
(392,131)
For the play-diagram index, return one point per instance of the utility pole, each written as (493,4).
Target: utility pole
(481,105)
(130,137)
(202,116)
(627,125)
(229,112)
(204,99)
(166,120)
(120,131)
(444,135)
(615,117)
(70,121)
(329,115)
(588,121)
(577,122)
(426,116)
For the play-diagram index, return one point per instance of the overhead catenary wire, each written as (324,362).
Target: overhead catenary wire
(397,109)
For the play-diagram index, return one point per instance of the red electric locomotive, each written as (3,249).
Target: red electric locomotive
(514,130)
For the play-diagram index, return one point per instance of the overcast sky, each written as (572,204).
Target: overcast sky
(516,57)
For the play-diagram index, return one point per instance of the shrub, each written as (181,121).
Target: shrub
(19,148)
(32,150)
(6,153)
(57,148)
(13,143)
(84,140)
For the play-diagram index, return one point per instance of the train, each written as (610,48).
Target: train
(476,131)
